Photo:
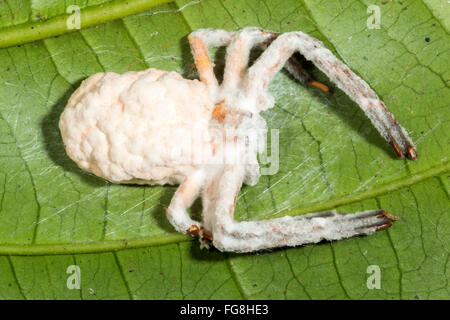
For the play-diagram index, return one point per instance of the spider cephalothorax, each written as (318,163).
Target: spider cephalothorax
(155,127)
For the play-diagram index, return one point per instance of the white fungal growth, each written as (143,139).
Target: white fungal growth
(154,127)
(124,127)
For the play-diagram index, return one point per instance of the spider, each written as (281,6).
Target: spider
(125,128)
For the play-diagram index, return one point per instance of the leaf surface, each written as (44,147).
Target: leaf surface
(330,157)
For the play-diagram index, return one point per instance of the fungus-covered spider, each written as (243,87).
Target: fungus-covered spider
(134,128)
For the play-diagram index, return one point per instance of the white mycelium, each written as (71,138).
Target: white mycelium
(155,127)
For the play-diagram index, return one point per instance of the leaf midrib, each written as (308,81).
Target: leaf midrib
(113,245)
(89,16)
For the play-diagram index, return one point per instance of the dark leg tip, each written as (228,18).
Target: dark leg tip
(384,214)
(410,151)
(383,226)
(383,220)
(397,149)
(319,85)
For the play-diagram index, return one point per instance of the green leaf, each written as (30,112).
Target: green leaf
(53,215)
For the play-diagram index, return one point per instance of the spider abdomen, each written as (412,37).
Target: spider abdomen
(137,127)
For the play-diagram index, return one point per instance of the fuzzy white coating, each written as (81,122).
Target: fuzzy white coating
(124,127)
(154,127)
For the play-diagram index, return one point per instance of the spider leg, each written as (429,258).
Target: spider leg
(281,49)
(296,70)
(183,198)
(247,236)
(201,40)
(238,53)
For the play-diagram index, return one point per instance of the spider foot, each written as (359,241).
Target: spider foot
(371,221)
(204,236)
(205,243)
(199,232)
(319,85)
(336,226)
(408,151)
